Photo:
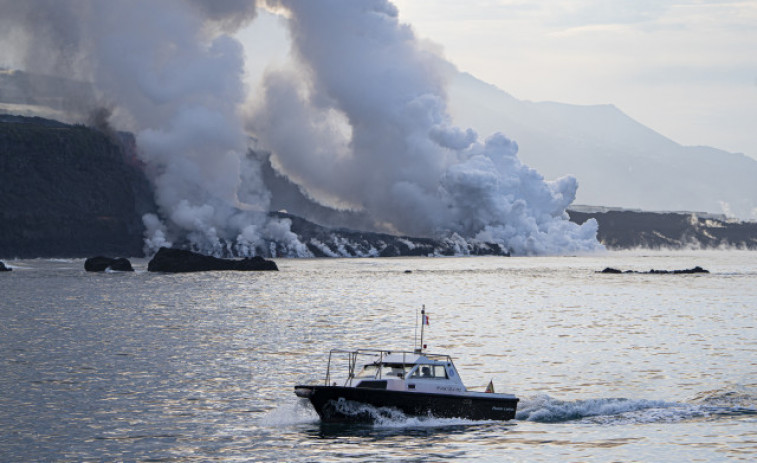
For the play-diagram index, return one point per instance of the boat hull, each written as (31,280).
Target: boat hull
(329,402)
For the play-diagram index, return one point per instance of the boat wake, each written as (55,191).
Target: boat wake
(712,405)
(707,406)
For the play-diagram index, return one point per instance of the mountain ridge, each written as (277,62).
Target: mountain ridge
(617,160)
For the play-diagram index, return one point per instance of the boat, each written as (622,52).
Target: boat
(415,383)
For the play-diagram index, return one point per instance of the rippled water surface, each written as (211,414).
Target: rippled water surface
(200,367)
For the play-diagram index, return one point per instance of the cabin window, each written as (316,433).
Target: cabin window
(430,371)
(396,370)
(391,370)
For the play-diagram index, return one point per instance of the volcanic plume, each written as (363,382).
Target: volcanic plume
(362,122)
(359,123)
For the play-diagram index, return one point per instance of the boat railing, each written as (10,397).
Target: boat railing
(379,355)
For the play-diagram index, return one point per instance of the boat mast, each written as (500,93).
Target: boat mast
(415,335)
(420,348)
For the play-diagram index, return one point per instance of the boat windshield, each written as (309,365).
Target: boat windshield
(431,371)
(397,370)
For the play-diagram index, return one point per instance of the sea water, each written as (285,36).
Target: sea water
(200,367)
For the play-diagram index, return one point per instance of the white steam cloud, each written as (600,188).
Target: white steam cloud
(363,121)
(171,72)
(174,70)
(360,123)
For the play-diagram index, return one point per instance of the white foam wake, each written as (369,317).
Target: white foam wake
(545,409)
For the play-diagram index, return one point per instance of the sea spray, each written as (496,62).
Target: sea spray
(292,412)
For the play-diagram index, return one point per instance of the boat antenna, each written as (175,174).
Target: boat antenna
(415,336)
(424,321)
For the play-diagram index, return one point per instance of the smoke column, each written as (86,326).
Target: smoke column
(170,72)
(362,123)
(175,70)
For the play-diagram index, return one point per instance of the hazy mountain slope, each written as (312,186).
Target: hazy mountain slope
(618,161)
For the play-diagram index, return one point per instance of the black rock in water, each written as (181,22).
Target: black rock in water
(696,269)
(101,264)
(180,261)
(3,268)
(610,270)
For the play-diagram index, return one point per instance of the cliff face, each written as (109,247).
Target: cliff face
(73,191)
(624,229)
(68,191)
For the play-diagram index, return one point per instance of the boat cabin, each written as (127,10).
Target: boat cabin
(399,371)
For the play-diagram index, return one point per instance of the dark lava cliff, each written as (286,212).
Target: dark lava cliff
(624,229)
(69,191)
(74,191)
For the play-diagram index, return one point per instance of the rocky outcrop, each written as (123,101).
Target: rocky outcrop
(696,269)
(181,261)
(101,264)
(3,268)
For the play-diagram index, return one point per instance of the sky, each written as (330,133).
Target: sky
(685,68)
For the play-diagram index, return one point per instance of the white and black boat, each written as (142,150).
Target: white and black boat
(416,383)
